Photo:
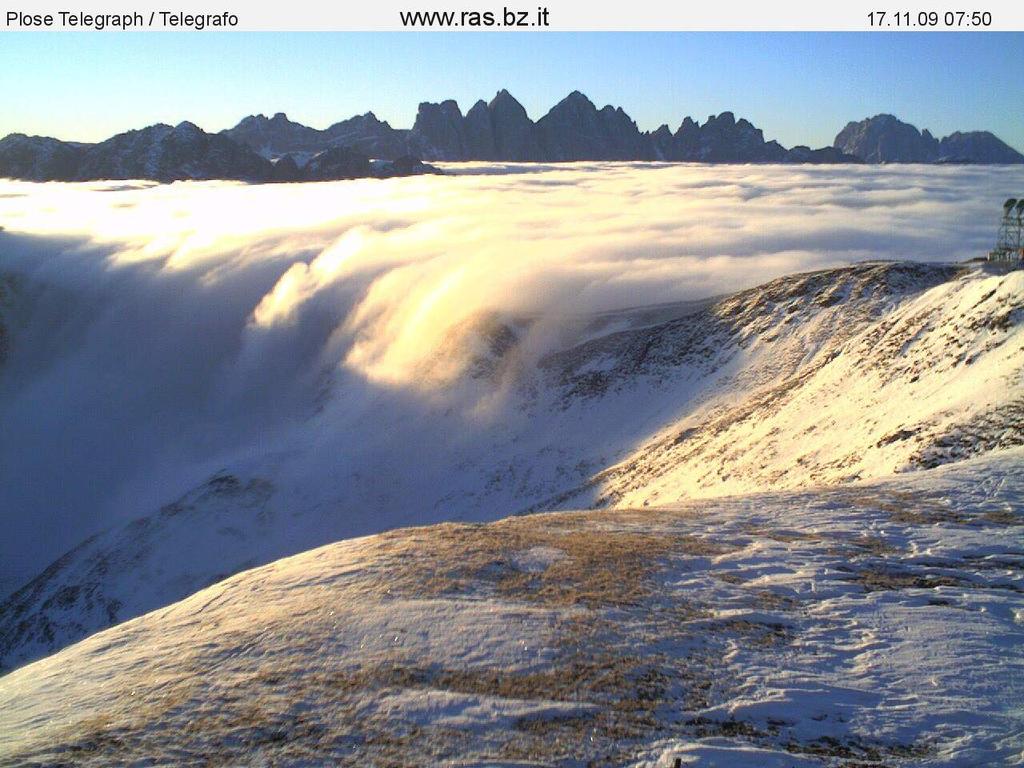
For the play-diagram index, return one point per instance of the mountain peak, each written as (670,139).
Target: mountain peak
(575,101)
(504,98)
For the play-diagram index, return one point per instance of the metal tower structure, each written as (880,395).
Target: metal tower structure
(1010,242)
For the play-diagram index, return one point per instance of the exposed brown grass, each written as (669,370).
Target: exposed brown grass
(914,508)
(1003,517)
(598,566)
(878,580)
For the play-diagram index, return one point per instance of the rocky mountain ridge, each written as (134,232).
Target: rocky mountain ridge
(575,129)
(167,153)
(262,149)
(886,139)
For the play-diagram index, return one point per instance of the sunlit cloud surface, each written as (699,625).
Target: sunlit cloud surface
(158,327)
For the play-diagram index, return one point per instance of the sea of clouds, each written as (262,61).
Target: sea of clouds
(152,333)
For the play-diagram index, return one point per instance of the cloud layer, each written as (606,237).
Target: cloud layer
(158,332)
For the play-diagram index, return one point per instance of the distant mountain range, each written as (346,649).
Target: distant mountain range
(574,129)
(185,151)
(262,149)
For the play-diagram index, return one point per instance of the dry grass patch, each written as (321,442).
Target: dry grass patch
(729,577)
(780,535)
(1003,517)
(755,633)
(857,752)
(881,580)
(912,508)
(595,567)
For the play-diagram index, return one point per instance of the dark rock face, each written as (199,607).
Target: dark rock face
(515,135)
(976,147)
(662,143)
(184,152)
(275,136)
(440,131)
(38,158)
(158,152)
(574,129)
(479,132)
(163,153)
(286,169)
(406,166)
(885,139)
(823,156)
(344,163)
(337,163)
(369,135)
(723,139)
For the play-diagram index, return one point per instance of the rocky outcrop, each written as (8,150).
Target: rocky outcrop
(337,163)
(163,153)
(369,135)
(499,130)
(886,139)
(345,163)
(159,152)
(186,152)
(723,139)
(976,147)
(286,169)
(515,135)
(275,136)
(479,132)
(38,158)
(406,165)
(823,156)
(575,129)
(440,131)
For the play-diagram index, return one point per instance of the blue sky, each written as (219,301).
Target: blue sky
(801,88)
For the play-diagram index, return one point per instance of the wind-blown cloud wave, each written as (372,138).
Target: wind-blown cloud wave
(156,333)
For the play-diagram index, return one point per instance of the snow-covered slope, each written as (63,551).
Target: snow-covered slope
(812,379)
(823,378)
(878,623)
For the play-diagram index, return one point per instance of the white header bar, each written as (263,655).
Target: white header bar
(514,16)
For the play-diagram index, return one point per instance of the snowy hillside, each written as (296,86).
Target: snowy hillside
(879,623)
(819,379)
(823,378)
